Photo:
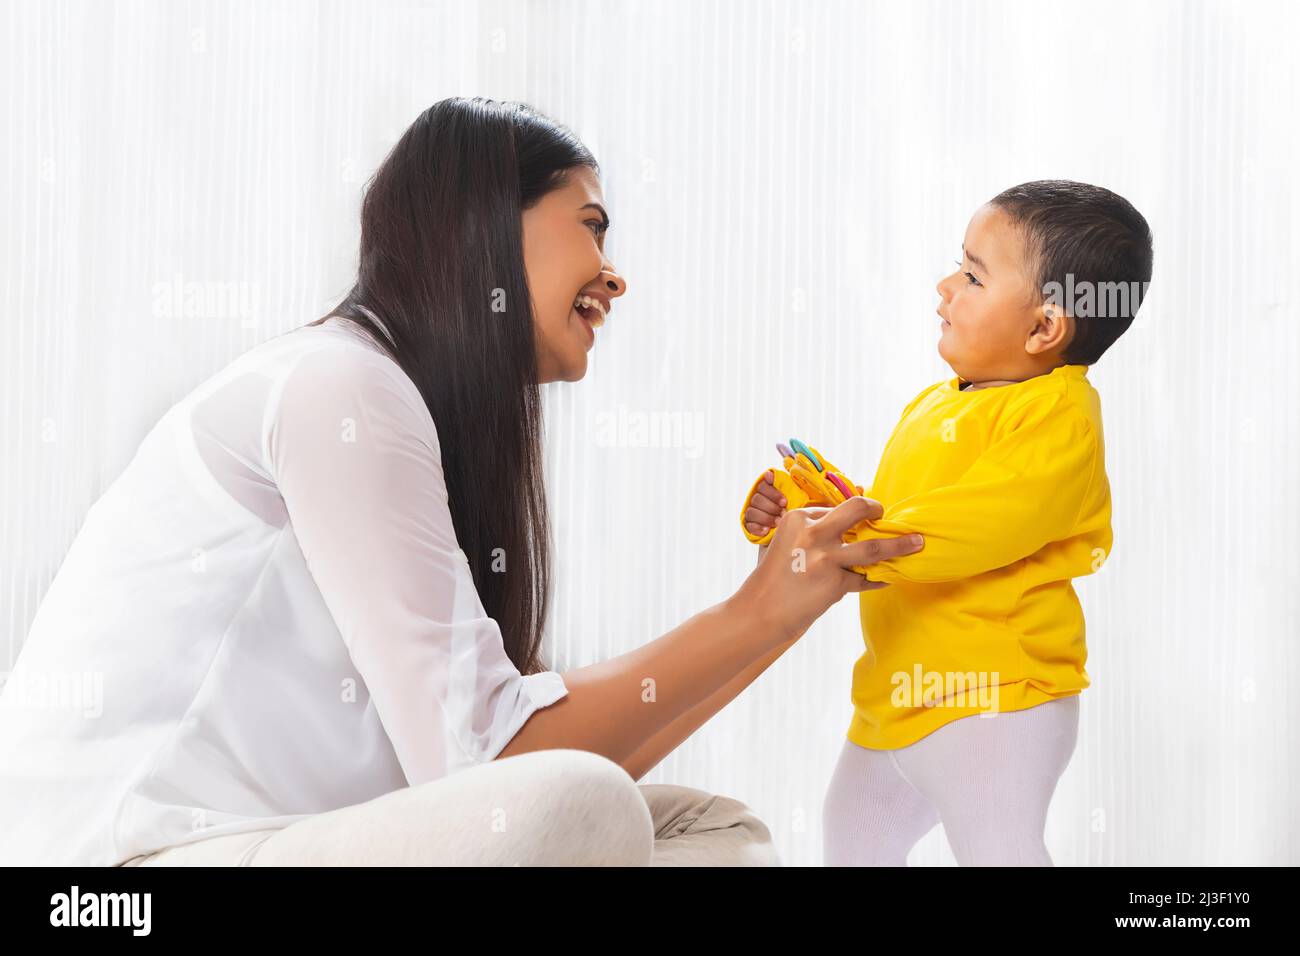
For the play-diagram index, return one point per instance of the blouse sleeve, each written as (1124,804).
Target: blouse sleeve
(355,455)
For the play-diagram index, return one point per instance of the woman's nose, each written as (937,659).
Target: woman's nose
(612,281)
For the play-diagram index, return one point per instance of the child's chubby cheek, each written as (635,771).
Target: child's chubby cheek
(970,347)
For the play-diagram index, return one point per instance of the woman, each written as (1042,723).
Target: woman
(316,595)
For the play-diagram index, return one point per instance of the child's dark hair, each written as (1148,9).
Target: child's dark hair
(1084,238)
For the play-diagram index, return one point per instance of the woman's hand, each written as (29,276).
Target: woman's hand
(806,567)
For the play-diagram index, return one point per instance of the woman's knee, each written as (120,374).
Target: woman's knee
(596,810)
(542,808)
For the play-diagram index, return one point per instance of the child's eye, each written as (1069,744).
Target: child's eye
(973,280)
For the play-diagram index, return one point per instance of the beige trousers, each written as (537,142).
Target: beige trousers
(546,808)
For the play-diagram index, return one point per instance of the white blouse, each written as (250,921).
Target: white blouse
(272,604)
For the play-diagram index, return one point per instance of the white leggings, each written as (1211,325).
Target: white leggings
(989,780)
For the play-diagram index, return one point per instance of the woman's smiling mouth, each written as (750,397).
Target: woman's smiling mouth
(591,311)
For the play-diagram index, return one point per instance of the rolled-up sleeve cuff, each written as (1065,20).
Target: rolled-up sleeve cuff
(534,692)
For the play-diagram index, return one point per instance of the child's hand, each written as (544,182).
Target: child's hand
(764,507)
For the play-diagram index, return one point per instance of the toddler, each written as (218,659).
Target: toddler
(966,696)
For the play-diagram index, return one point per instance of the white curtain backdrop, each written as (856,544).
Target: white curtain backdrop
(787,181)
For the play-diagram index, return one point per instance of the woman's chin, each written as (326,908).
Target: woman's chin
(575,368)
(563,367)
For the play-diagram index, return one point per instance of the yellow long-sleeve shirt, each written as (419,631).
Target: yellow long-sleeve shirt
(1008,485)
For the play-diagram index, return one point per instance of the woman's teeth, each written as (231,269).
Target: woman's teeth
(590,309)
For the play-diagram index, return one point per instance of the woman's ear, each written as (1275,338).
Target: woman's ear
(1053,329)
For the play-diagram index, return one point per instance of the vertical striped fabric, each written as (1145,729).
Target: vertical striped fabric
(787,182)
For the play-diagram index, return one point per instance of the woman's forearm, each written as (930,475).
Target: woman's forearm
(620,708)
(647,757)
(617,707)
(649,754)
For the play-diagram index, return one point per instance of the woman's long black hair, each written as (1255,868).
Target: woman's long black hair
(441,251)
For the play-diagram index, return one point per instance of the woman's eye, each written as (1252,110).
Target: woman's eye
(597,227)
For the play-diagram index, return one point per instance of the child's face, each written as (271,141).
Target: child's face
(993,317)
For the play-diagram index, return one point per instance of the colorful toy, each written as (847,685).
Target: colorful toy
(809,479)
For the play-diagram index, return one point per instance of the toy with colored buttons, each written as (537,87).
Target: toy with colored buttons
(809,479)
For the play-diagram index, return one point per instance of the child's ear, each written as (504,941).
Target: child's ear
(1052,331)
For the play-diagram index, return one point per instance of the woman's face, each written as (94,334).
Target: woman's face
(571,281)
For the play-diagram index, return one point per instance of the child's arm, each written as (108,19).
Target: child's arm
(1026,490)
